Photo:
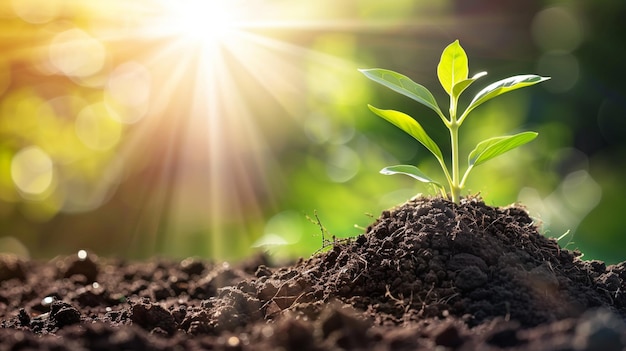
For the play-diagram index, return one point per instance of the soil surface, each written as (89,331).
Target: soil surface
(426,275)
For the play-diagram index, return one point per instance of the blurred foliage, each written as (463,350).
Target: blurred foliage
(125,134)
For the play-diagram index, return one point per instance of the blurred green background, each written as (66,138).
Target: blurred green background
(180,128)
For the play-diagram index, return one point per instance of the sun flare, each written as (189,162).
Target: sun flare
(216,77)
(205,22)
(194,100)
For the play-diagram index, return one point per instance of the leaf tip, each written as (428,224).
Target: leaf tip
(479,75)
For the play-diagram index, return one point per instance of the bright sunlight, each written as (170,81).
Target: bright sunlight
(206,22)
(178,111)
(217,80)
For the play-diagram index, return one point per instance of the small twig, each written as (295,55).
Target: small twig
(323,229)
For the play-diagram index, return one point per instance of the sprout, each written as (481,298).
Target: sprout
(453,76)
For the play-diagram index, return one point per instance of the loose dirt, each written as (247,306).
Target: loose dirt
(426,275)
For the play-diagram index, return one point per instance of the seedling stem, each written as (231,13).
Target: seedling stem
(453,76)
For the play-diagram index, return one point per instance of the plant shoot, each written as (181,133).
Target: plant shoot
(452,72)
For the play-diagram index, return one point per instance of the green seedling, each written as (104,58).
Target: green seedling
(453,75)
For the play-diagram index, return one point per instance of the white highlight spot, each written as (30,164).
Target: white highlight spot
(82,255)
(205,21)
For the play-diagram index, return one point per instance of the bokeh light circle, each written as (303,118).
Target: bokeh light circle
(32,171)
(76,54)
(96,129)
(557,28)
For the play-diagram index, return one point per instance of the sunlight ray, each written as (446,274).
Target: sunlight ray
(225,93)
(223,159)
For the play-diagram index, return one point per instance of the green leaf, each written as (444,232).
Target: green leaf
(411,127)
(459,87)
(490,148)
(453,66)
(503,86)
(411,171)
(403,85)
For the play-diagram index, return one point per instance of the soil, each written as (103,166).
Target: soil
(426,275)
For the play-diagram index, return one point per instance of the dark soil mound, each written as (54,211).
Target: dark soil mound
(428,273)
(433,258)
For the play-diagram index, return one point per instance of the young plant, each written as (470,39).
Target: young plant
(453,75)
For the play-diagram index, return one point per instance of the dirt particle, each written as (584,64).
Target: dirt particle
(464,260)
(505,337)
(470,278)
(291,334)
(150,316)
(23,317)
(63,314)
(84,266)
(448,335)
(192,266)
(343,328)
(11,267)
